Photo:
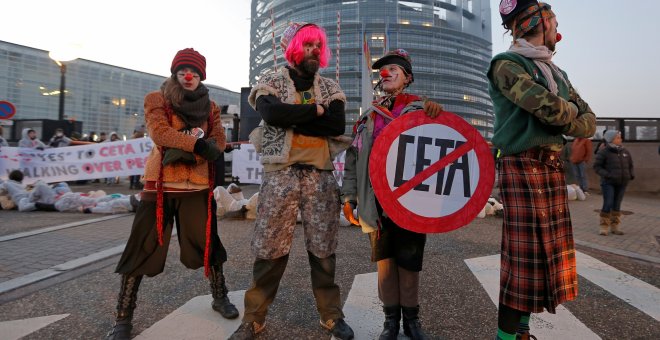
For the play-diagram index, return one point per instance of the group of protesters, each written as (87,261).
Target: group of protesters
(302,130)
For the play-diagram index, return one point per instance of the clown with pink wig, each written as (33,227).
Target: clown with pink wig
(303,121)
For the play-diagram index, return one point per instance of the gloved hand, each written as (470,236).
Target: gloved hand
(178,155)
(207,149)
(553,129)
(432,108)
(348,212)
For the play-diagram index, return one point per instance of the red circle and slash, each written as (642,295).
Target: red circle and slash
(7,109)
(389,199)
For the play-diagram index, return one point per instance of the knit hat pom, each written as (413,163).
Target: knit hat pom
(188,57)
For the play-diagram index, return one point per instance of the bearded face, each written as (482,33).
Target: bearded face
(310,65)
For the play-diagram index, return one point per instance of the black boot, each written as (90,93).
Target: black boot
(125,306)
(221,303)
(412,328)
(391,324)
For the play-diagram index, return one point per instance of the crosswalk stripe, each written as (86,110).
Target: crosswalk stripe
(362,309)
(196,320)
(16,329)
(637,293)
(563,325)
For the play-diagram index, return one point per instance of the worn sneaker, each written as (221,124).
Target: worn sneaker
(339,329)
(247,331)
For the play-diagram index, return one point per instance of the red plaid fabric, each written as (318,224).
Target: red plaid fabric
(538,267)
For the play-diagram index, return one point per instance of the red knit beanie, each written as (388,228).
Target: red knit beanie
(188,57)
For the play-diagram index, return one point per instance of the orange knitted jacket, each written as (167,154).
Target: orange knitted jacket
(164,134)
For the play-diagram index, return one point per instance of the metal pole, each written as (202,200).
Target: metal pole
(61,112)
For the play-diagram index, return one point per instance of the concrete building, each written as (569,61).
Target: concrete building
(449,41)
(103,97)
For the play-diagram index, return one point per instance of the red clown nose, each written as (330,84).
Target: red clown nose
(558,38)
(316,52)
(384,73)
(188,76)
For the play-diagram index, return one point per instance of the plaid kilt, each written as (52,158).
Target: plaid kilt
(538,267)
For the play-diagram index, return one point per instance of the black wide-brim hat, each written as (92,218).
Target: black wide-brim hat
(397,57)
(509,9)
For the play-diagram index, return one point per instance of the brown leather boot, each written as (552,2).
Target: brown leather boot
(125,306)
(604,223)
(615,220)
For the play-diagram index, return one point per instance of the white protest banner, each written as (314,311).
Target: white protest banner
(248,169)
(72,163)
(431,175)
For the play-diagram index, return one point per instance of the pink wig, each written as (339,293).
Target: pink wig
(295,52)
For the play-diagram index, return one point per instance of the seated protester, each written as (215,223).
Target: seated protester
(41,197)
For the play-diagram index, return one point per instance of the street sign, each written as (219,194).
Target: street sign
(431,175)
(7,109)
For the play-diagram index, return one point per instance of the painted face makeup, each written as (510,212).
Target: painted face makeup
(393,78)
(188,78)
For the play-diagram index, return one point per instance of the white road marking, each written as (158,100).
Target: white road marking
(196,320)
(16,329)
(563,325)
(363,310)
(636,292)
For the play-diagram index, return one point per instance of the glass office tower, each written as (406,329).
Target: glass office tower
(104,97)
(449,41)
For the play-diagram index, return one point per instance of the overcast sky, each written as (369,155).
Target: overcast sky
(610,48)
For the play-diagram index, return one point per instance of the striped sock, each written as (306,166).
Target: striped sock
(502,335)
(523,325)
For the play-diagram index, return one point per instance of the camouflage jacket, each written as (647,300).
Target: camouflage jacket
(527,114)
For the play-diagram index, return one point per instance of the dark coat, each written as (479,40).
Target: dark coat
(614,165)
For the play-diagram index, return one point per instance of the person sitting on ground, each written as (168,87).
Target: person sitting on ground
(231,200)
(40,197)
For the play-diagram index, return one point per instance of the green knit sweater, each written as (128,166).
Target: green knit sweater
(516,83)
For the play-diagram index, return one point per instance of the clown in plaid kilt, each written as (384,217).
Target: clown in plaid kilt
(535,105)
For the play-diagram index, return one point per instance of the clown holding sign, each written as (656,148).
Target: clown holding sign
(398,270)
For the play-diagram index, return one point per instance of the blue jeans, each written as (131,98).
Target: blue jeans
(580,172)
(612,196)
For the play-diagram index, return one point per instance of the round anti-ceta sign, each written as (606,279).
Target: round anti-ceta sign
(431,175)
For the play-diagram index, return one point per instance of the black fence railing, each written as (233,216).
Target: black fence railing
(632,129)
